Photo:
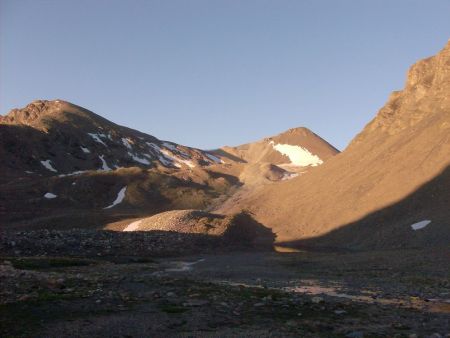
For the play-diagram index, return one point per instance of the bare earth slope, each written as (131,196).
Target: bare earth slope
(393,174)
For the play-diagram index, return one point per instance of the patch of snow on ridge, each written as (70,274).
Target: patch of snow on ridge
(164,156)
(85,150)
(126,143)
(133,226)
(298,155)
(119,198)
(105,166)
(213,158)
(79,172)
(49,195)
(169,146)
(96,138)
(288,176)
(420,225)
(139,159)
(48,165)
(177,160)
(190,164)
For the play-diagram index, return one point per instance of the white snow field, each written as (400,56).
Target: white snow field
(105,166)
(213,158)
(119,198)
(48,165)
(420,225)
(138,159)
(299,156)
(97,139)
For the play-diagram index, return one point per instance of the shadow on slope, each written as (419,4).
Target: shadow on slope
(390,227)
(226,154)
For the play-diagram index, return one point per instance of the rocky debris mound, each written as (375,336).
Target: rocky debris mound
(232,229)
(92,243)
(183,221)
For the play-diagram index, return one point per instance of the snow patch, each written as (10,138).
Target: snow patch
(105,166)
(168,156)
(85,150)
(139,159)
(133,226)
(49,195)
(96,138)
(126,143)
(420,225)
(299,156)
(164,156)
(169,146)
(79,172)
(190,164)
(48,165)
(119,198)
(289,176)
(213,158)
(176,160)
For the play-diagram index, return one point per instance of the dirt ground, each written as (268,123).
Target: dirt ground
(253,294)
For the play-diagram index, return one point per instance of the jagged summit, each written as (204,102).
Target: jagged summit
(425,96)
(38,113)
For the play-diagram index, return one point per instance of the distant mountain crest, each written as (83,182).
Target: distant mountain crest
(297,147)
(57,137)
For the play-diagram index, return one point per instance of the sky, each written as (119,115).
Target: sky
(208,73)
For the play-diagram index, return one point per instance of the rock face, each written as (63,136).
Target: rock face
(393,174)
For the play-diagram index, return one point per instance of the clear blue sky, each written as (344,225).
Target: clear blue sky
(207,73)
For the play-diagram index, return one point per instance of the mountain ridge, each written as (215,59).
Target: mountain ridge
(61,160)
(405,146)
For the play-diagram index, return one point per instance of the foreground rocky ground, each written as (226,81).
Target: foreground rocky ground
(235,293)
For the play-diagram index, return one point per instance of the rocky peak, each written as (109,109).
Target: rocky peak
(28,114)
(425,93)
